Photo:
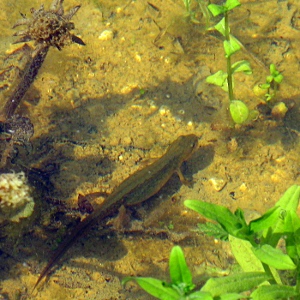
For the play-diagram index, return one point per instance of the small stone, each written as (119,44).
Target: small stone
(232,145)
(279,110)
(138,57)
(106,35)
(129,88)
(258,91)
(164,110)
(217,183)
(126,141)
(152,104)
(243,187)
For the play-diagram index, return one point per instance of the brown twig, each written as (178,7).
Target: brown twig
(29,74)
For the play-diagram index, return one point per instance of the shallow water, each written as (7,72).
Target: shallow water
(102,109)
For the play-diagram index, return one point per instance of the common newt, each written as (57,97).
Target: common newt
(137,188)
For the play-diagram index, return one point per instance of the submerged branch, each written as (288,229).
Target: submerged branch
(28,76)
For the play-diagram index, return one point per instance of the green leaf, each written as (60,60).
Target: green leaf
(231,297)
(154,287)
(216,9)
(274,257)
(221,9)
(215,230)
(242,66)
(199,296)
(242,251)
(235,283)
(273,70)
(288,202)
(267,220)
(179,271)
(231,4)
(238,111)
(265,86)
(187,4)
(239,213)
(290,199)
(271,292)
(292,232)
(231,46)
(269,79)
(278,78)
(276,75)
(218,213)
(220,26)
(218,79)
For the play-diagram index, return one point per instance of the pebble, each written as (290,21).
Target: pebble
(217,183)
(164,110)
(106,35)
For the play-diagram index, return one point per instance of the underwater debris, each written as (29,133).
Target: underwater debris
(15,199)
(17,131)
(49,27)
(29,73)
(46,28)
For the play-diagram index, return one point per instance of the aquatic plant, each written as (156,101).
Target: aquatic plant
(238,109)
(255,247)
(182,287)
(272,83)
(268,91)
(192,14)
(268,244)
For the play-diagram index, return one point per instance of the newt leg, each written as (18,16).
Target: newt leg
(183,179)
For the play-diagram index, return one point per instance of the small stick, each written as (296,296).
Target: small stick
(28,76)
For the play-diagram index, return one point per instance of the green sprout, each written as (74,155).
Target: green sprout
(272,83)
(181,279)
(205,12)
(271,86)
(187,4)
(182,287)
(238,109)
(192,14)
(170,226)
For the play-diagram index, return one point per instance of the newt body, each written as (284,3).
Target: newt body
(137,188)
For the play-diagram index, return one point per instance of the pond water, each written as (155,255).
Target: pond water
(102,110)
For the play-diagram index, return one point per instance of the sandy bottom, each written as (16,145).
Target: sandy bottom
(101,110)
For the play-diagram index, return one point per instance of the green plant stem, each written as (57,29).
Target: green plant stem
(297,288)
(275,88)
(187,4)
(228,58)
(270,273)
(203,7)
